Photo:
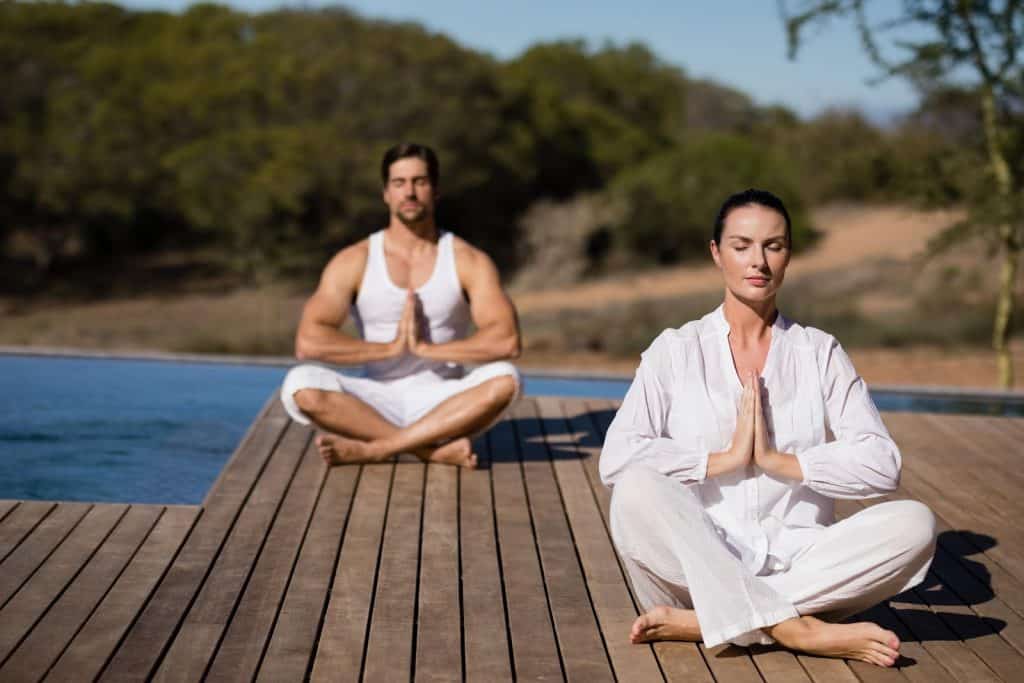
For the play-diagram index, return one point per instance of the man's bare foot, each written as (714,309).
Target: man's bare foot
(458,452)
(863,640)
(339,450)
(665,623)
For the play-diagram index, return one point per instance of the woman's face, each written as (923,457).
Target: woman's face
(753,252)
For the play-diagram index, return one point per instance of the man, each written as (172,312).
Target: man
(413,290)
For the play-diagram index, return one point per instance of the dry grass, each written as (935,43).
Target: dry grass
(905,320)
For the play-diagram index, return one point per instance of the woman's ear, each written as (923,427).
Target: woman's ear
(716,257)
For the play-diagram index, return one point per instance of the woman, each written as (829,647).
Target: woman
(738,432)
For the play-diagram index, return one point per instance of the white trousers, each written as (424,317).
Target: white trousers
(400,401)
(674,556)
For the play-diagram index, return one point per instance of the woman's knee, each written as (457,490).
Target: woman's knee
(915,523)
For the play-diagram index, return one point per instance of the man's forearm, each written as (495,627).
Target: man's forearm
(482,347)
(339,348)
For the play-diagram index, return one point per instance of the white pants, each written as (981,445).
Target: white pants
(675,557)
(401,401)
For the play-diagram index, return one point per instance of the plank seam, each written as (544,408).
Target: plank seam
(156,588)
(255,559)
(291,576)
(14,507)
(56,545)
(572,535)
(103,597)
(334,572)
(67,584)
(376,574)
(419,573)
(501,564)
(53,506)
(536,549)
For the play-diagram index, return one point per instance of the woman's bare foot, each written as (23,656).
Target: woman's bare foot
(665,623)
(863,640)
(339,450)
(458,452)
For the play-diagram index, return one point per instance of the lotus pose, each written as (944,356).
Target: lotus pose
(737,434)
(413,291)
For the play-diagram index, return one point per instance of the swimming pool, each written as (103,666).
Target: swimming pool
(106,430)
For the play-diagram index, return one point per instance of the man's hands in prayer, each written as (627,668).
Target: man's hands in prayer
(407,336)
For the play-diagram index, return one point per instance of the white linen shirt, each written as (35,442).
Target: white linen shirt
(683,405)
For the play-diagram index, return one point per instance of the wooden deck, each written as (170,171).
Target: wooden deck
(290,570)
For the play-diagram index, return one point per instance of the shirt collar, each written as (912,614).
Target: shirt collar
(717,318)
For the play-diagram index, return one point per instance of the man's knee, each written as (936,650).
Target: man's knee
(312,401)
(502,389)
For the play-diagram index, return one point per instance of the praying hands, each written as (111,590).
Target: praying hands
(750,442)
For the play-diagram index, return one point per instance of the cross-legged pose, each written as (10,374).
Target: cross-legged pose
(413,291)
(737,434)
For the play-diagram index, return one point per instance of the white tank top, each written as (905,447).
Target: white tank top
(379,304)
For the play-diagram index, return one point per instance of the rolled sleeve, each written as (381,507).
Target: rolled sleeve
(638,435)
(863,461)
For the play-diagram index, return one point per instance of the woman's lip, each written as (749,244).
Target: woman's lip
(757,280)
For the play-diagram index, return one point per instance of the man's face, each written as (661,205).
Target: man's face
(408,192)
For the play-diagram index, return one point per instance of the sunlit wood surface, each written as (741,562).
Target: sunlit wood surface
(400,571)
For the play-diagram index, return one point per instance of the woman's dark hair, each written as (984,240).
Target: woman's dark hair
(746,198)
(406,150)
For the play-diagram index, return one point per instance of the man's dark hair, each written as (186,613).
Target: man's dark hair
(746,198)
(405,151)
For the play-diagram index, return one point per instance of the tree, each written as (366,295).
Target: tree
(939,42)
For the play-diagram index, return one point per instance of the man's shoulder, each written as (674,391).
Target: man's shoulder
(469,259)
(348,264)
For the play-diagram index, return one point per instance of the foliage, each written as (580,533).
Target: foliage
(258,137)
(975,45)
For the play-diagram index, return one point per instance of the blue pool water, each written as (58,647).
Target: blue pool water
(160,432)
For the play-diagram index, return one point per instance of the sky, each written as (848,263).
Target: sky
(739,43)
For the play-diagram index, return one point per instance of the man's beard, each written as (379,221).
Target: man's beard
(417,216)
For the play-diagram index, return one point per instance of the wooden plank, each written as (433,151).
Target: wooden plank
(485,636)
(439,617)
(290,652)
(206,621)
(391,640)
(239,654)
(778,665)
(579,637)
(5,507)
(140,651)
(339,652)
(531,633)
(606,583)
(43,645)
(17,525)
(24,560)
(92,646)
(29,604)
(730,663)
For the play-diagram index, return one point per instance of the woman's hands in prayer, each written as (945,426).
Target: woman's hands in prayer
(741,450)
(750,441)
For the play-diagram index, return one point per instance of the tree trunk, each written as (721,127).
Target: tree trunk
(1008,241)
(1005,305)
